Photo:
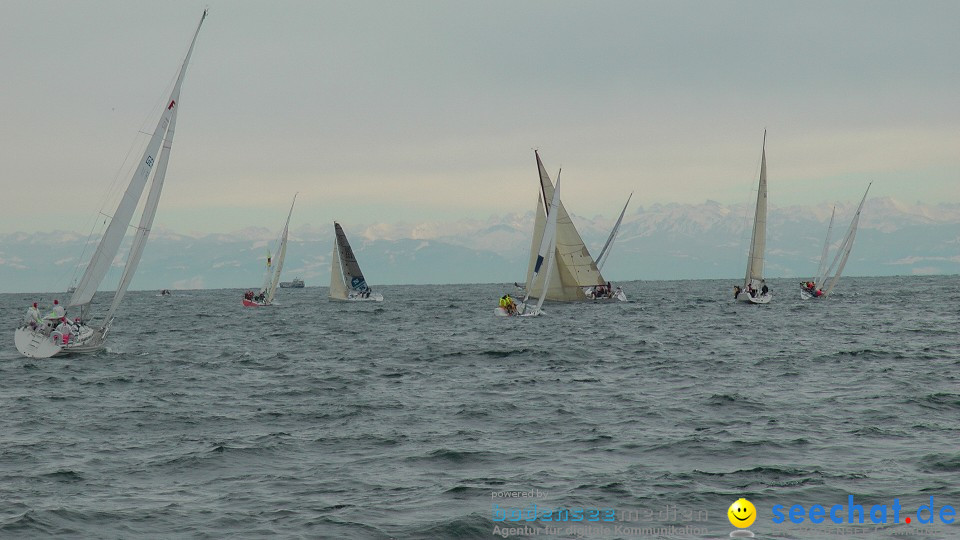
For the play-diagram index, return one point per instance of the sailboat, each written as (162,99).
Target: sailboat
(545,254)
(575,276)
(753,283)
(346,280)
(824,282)
(272,277)
(40,339)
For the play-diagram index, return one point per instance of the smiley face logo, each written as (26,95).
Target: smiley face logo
(742,513)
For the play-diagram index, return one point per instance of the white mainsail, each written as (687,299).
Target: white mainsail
(146,221)
(546,253)
(575,269)
(38,343)
(271,290)
(758,240)
(338,289)
(608,246)
(822,269)
(113,236)
(843,252)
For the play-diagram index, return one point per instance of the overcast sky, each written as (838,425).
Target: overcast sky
(399,111)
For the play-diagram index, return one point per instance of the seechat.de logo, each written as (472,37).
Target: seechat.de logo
(855,513)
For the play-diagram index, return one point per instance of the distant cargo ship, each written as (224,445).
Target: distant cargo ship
(297,283)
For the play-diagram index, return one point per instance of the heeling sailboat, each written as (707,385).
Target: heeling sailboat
(824,282)
(753,283)
(546,260)
(346,280)
(41,340)
(272,278)
(575,276)
(812,289)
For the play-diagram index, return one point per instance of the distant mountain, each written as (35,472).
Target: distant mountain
(673,241)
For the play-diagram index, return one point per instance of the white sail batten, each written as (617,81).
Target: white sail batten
(758,239)
(843,252)
(608,246)
(113,236)
(575,269)
(281,254)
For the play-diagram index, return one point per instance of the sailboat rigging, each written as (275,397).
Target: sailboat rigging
(754,288)
(43,338)
(575,276)
(346,280)
(608,246)
(546,259)
(272,277)
(824,282)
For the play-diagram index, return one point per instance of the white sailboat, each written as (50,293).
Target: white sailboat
(346,280)
(272,278)
(575,276)
(825,282)
(546,260)
(40,339)
(754,284)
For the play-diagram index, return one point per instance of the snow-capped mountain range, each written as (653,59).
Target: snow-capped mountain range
(672,241)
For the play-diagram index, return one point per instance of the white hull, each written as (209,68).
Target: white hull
(37,344)
(759,299)
(374,297)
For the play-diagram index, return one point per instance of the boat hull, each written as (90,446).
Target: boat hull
(759,299)
(36,344)
(251,303)
(374,297)
(520,312)
(807,295)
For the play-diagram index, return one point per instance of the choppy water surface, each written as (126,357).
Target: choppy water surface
(329,420)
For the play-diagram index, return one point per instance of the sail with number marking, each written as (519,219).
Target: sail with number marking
(151,168)
(113,236)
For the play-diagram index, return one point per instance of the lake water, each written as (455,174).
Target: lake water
(417,417)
